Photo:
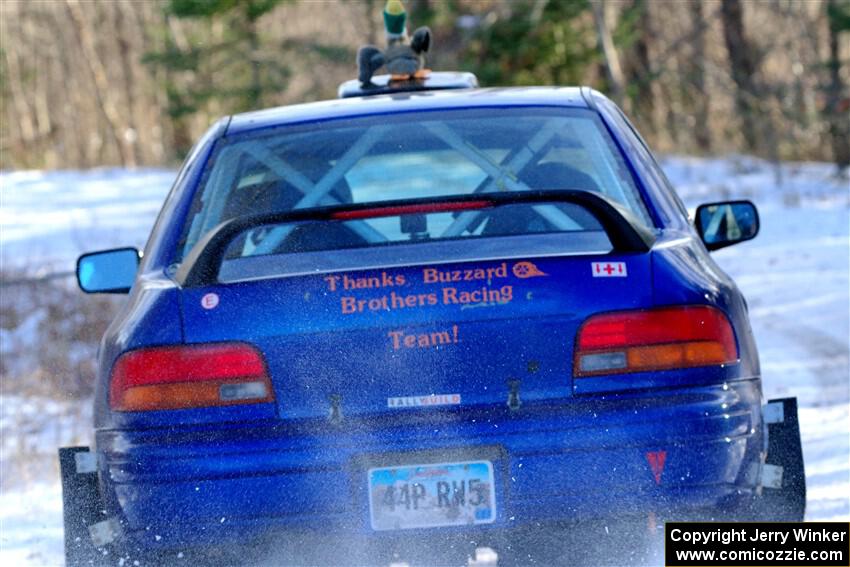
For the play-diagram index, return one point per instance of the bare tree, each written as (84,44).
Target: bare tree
(639,70)
(15,78)
(103,86)
(837,103)
(743,69)
(613,69)
(699,99)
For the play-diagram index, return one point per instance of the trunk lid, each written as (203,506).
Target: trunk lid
(419,337)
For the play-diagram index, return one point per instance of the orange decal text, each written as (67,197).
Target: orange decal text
(401,339)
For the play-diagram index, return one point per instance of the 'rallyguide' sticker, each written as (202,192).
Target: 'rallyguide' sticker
(424,401)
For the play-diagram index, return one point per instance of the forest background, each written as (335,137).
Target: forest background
(134,82)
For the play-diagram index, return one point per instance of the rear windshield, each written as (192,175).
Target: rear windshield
(410,156)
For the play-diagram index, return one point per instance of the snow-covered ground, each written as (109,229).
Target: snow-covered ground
(49,217)
(796,276)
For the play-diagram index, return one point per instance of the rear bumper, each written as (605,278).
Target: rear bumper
(580,461)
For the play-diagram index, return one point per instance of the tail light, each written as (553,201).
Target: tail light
(182,376)
(658,339)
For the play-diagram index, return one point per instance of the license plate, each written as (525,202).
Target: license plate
(424,496)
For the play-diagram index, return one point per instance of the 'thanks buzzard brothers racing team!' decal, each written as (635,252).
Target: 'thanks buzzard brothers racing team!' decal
(432,287)
(437,286)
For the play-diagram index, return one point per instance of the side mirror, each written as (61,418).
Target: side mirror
(108,271)
(726,223)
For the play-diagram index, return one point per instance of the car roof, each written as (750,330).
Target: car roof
(406,102)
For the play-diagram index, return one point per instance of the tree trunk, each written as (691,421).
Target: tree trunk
(837,107)
(743,69)
(256,88)
(25,123)
(639,72)
(125,51)
(371,22)
(101,83)
(606,43)
(702,134)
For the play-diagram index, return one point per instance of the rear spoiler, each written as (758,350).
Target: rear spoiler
(200,267)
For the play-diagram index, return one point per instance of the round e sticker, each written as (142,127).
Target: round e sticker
(209,301)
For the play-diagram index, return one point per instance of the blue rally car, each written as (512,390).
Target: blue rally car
(424,316)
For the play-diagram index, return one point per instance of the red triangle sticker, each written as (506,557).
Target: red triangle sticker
(656,461)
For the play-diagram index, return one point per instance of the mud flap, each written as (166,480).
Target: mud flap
(783,477)
(81,506)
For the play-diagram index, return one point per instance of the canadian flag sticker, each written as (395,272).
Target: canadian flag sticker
(609,269)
